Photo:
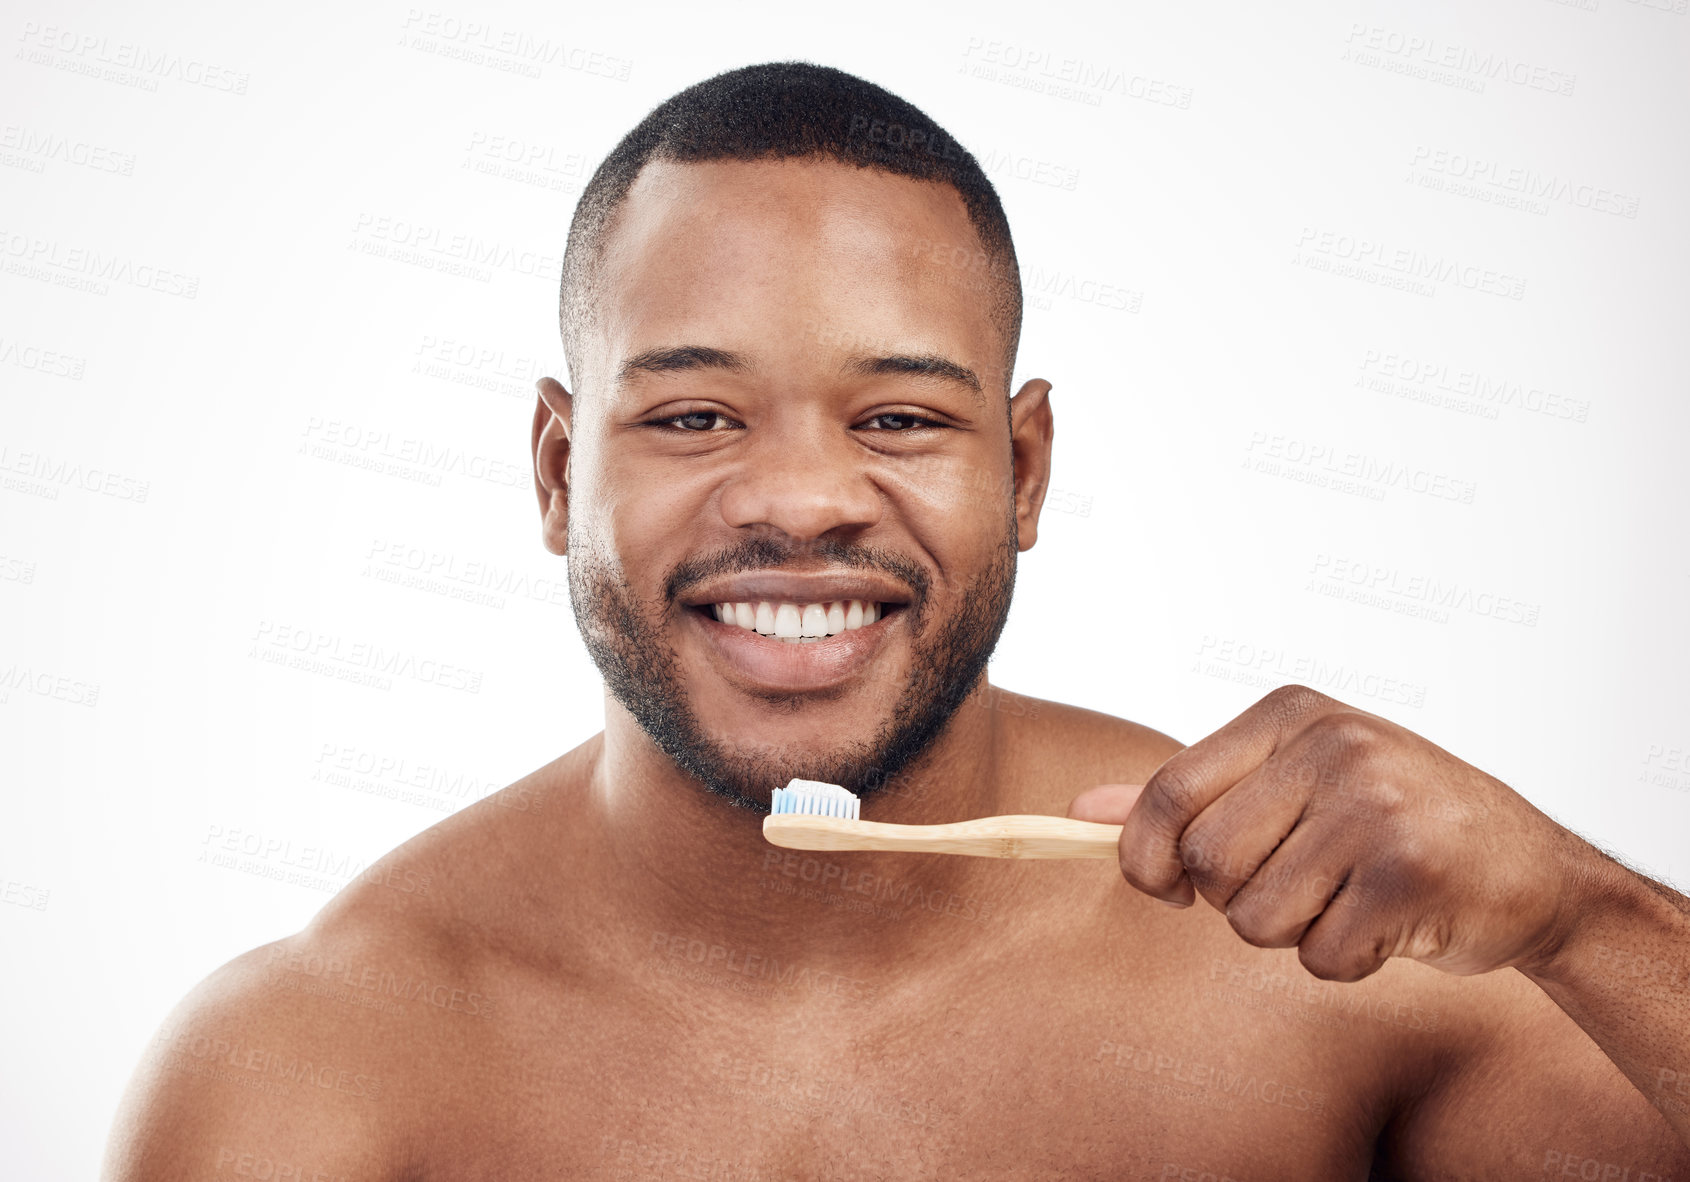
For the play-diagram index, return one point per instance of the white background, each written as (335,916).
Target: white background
(182,493)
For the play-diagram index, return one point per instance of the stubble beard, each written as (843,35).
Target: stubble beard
(627,641)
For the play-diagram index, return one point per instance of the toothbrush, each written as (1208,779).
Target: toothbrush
(811,815)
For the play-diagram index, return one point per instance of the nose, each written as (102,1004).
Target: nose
(806,484)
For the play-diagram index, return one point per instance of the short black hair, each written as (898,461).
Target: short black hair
(791,110)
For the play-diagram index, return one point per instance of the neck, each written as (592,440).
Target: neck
(693,874)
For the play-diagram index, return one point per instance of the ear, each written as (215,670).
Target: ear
(551,463)
(1030,433)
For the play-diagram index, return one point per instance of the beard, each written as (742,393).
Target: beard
(642,670)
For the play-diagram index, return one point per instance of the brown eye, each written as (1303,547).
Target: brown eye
(896,422)
(698,420)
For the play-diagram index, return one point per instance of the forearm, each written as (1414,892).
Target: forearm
(1623,974)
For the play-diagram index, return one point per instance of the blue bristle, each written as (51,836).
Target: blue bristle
(813,798)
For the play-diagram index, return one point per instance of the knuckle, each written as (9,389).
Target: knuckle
(1296,769)
(1346,731)
(1327,961)
(1256,924)
(1172,792)
(1343,953)
(1208,858)
(1148,882)
(1294,700)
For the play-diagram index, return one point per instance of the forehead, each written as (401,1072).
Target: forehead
(792,262)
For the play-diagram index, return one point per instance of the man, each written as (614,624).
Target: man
(792,485)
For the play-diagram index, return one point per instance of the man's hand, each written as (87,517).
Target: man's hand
(1309,822)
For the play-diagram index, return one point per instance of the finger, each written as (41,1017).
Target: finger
(1195,778)
(1297,884)
(1107,804)
(1351,937)
(1230,840)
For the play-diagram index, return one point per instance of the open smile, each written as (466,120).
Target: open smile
(791,634)
(800,623)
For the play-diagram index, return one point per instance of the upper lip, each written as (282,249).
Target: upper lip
(798,587)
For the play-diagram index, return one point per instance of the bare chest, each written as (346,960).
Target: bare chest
(1228,1074)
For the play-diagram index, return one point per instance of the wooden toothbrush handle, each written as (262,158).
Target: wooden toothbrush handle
(1021,836)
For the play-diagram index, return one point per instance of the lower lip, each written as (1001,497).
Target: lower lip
(763,663)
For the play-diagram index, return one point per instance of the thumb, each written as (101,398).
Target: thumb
(1108,804)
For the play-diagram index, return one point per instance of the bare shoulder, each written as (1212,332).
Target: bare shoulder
(1076,747)
(307,1057)
(254,1066)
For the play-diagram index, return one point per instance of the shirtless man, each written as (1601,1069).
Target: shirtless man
(791,386)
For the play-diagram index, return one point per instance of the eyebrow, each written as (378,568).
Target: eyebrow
(676,358)
(679,357)
(927,365)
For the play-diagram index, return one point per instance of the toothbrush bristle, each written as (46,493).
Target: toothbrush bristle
(815,799)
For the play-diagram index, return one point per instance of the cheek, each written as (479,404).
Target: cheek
(957,509)
(639,522)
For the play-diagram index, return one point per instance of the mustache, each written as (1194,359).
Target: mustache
(771,553)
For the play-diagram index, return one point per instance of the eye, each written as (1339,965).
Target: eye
(899,422)
(697,421)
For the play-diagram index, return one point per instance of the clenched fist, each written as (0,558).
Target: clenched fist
(1309,822)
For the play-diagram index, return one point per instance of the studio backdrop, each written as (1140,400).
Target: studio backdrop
(1366,324)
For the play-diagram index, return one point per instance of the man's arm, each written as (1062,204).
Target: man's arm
(244,1080)
(1623,974)
(1529,1095)
(1309,823)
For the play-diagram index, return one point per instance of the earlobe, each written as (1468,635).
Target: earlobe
(551,462)
(1031,431)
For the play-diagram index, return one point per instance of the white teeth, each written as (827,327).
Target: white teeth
(788,623)
(799,622)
